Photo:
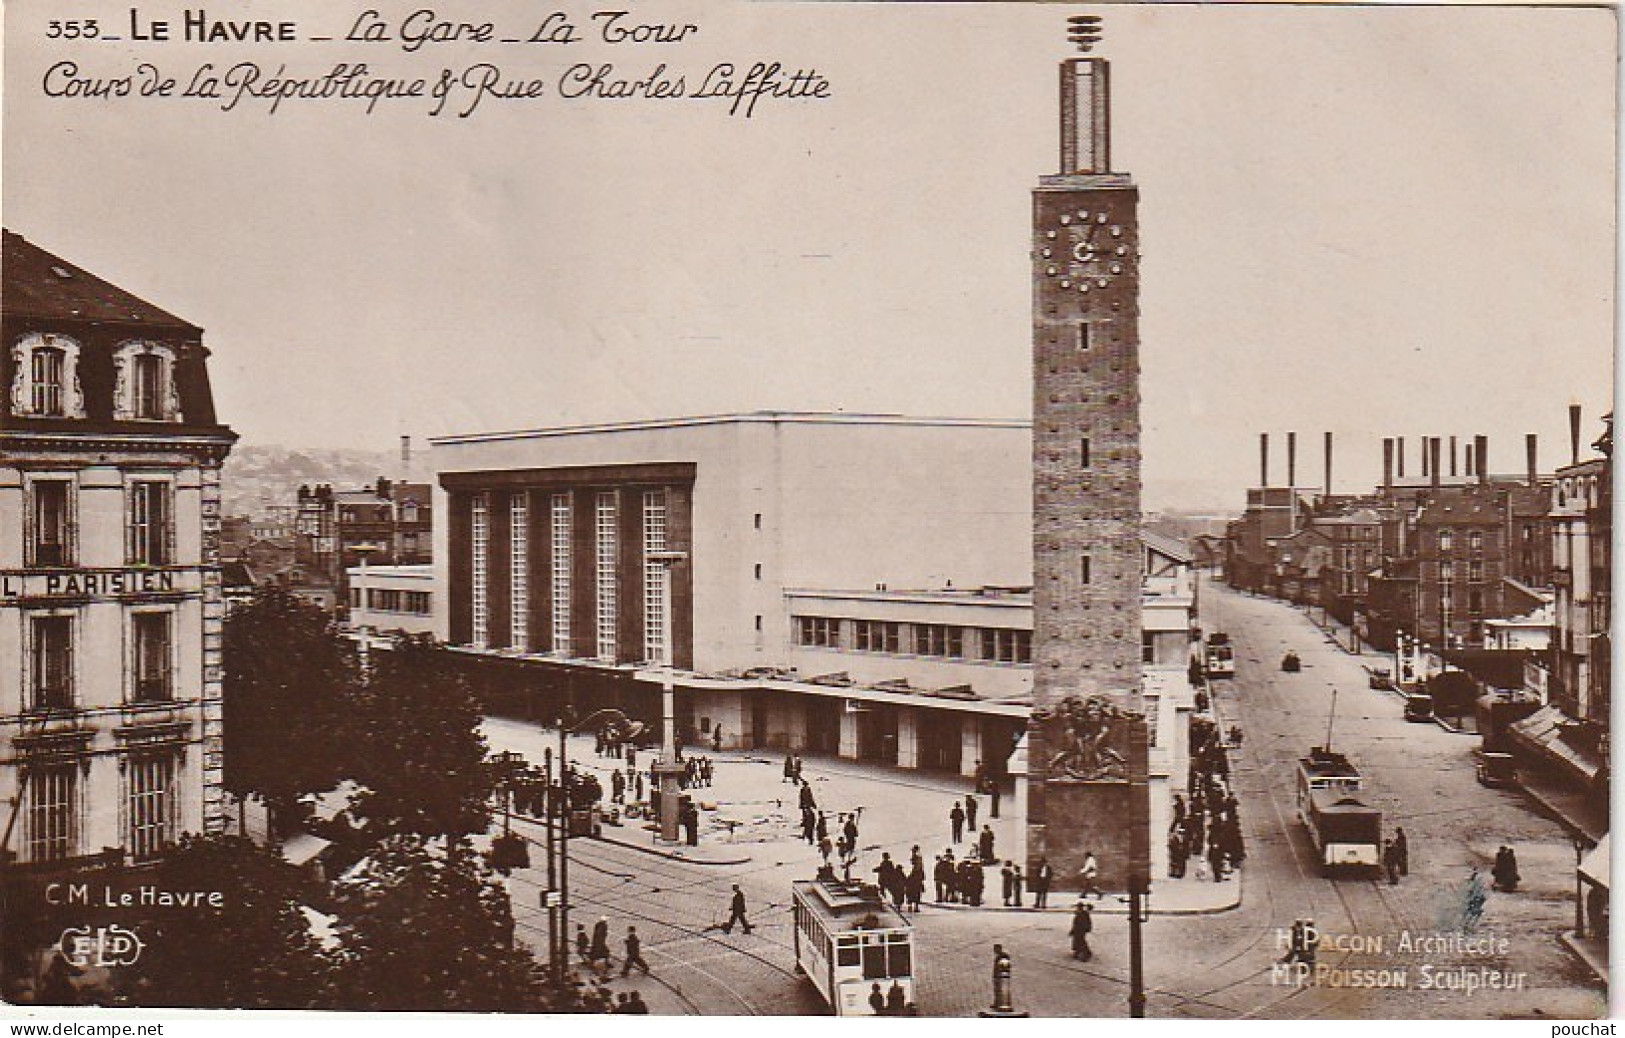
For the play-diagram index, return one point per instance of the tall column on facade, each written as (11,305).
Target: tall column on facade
(1088,772)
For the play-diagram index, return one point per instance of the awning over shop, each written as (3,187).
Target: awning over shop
(1594,866)
(1541,734)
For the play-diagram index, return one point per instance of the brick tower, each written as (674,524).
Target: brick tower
(1087,739)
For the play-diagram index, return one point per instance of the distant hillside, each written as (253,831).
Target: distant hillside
(256,477)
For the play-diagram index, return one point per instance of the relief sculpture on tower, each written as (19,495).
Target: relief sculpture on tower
(1092,739)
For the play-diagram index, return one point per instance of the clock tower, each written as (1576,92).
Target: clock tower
(1087,740)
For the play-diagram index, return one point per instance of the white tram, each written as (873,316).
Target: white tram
(849,940)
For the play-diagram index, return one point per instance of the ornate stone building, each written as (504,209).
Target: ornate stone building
(110,606)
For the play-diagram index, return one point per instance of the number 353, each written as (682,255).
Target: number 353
(75,29)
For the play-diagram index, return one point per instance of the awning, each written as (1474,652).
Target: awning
(1594,866)
(1541,733)
(303,848)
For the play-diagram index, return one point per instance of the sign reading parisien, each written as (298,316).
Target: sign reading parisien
(96,583)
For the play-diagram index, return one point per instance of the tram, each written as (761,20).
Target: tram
(851,942)
(1346,831)
(1219,658)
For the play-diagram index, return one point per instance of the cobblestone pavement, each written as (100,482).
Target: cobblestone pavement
(1195,966)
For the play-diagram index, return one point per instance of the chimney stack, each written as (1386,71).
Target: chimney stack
(1399,457)
(1432,454)
(1482,450)
(1291,459)
(1263,459)
(1530,448)
(1574,434)
(1427,443)
(1387,465)
(1452,456)
(1328,464)
(1467,460)
(406,459)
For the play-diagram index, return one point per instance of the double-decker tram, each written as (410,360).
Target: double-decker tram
(1346,831)
(851,943)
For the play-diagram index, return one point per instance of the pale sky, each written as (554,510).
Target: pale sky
(1379,221)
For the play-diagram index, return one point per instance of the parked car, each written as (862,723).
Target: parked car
(1496,770)
(1290,662)
(1418,707)
(1382,678)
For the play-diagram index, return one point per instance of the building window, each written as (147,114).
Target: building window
(822,632)
(1447,572)
(939,640)
(1446,540)
(479,607)
(1007,645)
(152,645)
(51,657)
(53,811)
(1148,647)
(606,518)
(1083,453)
(150,805)
(45,380)
(1475,603)
(562,531)
(1085,570)
(758,520)
(1475,571)
(1083,335)
(419,603)
(1475,540)
(519,571)
(150,528)
(758,571)
(145,387)
(50,539)
(656,605)
(877,636)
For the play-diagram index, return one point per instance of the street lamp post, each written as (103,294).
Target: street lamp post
(1579,901)
(1139,912)
(667,770)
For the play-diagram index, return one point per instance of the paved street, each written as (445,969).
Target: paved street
(1421,777)
(1215,965)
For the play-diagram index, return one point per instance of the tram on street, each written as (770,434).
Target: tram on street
(1345,830)
(1219,658)
(850,942)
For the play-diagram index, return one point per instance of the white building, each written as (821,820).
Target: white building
(110,609)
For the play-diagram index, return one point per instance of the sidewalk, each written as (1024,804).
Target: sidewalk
(1189,896)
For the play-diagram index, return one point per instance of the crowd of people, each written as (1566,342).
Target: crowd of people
(1206,825)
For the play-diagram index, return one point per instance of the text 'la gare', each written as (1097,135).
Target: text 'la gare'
(425,26)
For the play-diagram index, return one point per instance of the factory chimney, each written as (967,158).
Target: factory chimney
(1483,452)
(1574,434)
(1530,449)
(1291,459)
(1263,459)
(1387,465)
(1452,456)
(1431,458)
(1399,457)
(1328,464)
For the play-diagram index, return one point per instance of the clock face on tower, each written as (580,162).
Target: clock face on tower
(1086,250)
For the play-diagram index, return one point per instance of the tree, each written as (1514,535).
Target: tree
(288,678)
(252,950)
(416,746)
(422,926)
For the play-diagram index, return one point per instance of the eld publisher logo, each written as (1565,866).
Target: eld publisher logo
(102,946)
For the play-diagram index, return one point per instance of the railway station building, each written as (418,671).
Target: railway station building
(856,585)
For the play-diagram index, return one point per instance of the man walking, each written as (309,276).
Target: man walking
(1402,849)
(1089,876)
(599,955)
(956,821)
(736,912)
(970,812)
(1082,924)
(634,953)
